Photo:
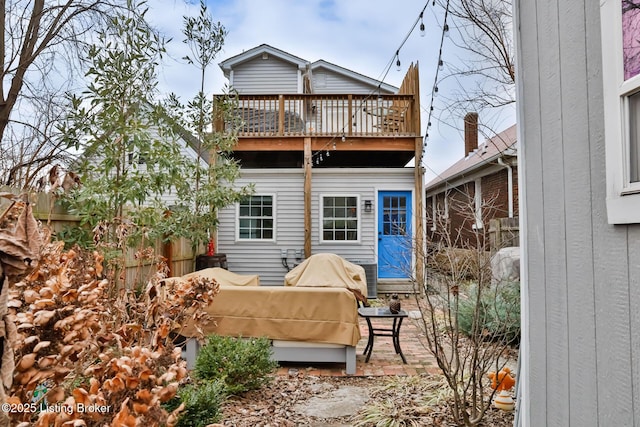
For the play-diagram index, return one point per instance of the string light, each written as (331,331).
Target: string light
(440,67)
(319,155)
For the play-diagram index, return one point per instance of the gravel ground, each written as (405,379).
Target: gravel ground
(419,401)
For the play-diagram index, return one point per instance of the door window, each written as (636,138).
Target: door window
(395,216)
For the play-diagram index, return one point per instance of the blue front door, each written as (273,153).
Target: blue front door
(394,234)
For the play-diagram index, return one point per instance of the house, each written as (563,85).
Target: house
(577,84)
(326,149)
(481,186)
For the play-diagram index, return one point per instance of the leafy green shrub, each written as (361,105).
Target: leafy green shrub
(498,312)
(76,235)
(202,403)
(242,364)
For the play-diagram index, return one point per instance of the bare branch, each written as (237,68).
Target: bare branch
(468,318)
(42,45)
(485,69)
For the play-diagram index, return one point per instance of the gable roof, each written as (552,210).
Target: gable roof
(503,144)
(301,63)
(250,54)
(321,63)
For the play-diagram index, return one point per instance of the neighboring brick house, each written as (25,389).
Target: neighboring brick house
(479,187)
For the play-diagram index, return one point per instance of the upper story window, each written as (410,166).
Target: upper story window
(340,218)
(620,28)
(256,218)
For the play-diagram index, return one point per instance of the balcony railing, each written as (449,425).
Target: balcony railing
(346,115)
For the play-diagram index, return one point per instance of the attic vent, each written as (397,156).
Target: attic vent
(265,55)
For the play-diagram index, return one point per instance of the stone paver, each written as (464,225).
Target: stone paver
(343,402)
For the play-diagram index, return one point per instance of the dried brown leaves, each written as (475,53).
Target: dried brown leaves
(105,360)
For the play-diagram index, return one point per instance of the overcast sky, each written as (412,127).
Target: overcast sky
(361,35)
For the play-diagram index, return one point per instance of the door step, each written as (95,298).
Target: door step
(388,287)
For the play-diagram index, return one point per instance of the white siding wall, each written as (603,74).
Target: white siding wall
(263,258)
(581,276)
(265,76)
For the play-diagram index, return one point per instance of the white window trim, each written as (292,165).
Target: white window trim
(321,219)
(273,216)
(623,197)
(446,204)
(477,201)
(434,213)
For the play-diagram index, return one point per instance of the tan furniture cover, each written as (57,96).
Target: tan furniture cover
(324,315)
(226,277)
(328,270)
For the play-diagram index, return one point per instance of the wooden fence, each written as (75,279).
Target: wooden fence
(179,255)
(503,232)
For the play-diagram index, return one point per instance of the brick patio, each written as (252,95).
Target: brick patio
(384,360)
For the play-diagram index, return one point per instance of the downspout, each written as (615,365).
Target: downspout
(509,184)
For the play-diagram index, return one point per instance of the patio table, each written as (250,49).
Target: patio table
(394,332)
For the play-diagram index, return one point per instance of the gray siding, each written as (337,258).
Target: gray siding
(327,81)
(265,76)
(263,258)
(581,297)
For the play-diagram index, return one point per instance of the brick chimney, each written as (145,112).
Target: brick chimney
(470,133)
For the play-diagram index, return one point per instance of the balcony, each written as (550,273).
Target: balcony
(313,115)
(272,129)
(352,130)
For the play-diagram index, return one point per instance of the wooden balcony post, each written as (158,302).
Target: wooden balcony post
(308,162)
(218,120)
(280,115)
(419,249)
(415,124)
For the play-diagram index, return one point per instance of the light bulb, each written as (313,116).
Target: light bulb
(435,91)
(446,30)
(422,31)
(328,153)
(343,140)
(440,64)
(398,64)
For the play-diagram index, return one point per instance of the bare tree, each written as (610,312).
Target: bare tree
(470,319)
(41,44)
(485,67)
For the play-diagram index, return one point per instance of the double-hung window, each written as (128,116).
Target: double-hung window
(256,218)
(620,28)
(340,218)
